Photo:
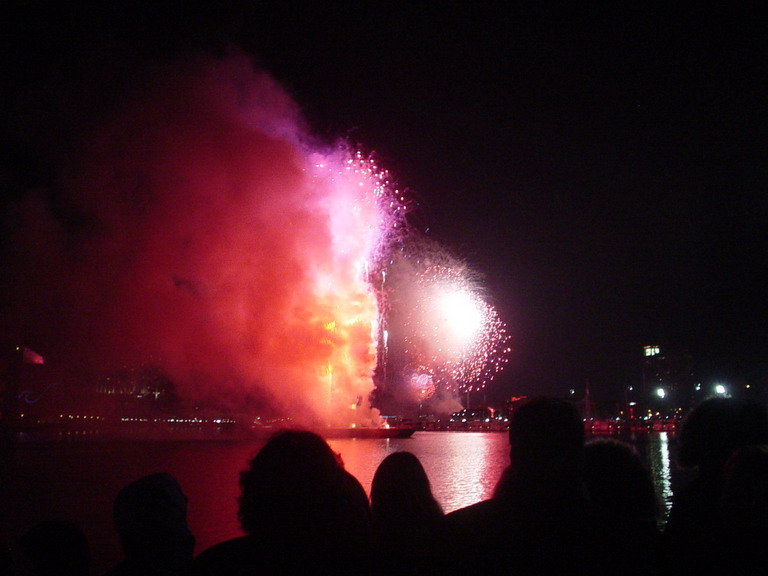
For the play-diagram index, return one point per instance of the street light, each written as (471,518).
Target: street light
(720,390)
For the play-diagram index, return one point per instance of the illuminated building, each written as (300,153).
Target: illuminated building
(669,382)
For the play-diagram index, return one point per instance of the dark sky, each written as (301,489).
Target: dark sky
(600,166)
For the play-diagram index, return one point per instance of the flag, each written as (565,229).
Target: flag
(32,357)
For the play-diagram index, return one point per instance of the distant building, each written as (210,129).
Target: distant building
(669,382)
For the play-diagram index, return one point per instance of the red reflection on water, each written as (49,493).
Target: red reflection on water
(463,467)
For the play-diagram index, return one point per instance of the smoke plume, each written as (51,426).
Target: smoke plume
(197,230)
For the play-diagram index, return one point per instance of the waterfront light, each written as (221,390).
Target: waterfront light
(660,392)
(720,390)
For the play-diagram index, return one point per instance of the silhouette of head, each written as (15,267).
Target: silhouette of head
(296,487)
(546,438)
(617,479)
(718,426)
(56,548)
(150,515)
(401,494)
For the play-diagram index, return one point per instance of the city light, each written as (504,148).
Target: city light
(720,390)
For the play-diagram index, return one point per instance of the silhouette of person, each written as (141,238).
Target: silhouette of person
(617,479)
(540,519)
(405,515)
(710,433)
(301,511)
(54,548)
(744,509)
(150,515)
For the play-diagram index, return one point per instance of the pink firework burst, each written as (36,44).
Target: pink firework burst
(449,327)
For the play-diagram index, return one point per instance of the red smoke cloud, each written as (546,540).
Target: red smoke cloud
(202,234)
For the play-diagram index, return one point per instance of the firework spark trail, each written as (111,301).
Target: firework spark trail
(363,214)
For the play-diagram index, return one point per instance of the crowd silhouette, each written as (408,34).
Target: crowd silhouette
(564,505)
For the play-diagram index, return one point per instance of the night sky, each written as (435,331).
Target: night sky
(601,167)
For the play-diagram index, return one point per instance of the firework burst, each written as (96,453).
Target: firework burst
(449,331)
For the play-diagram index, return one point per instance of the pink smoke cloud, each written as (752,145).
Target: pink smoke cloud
(213,241)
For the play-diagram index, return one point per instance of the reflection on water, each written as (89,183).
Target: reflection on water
(79,480)
(462,467)
(658,461)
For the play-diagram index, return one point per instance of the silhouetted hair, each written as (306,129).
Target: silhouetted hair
(718,426)
(150,515)
(401,494)
(297,485)
(546,436)
(617,479)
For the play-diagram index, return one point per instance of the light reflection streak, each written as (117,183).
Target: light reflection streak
(660,469)
(472,471)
